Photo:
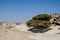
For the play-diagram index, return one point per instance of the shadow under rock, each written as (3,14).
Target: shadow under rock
(39,30)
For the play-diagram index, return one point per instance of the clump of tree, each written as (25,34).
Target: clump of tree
(39,22)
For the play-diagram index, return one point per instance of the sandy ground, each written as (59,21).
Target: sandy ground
(45,37)
(49,35)
(15,34)
(54,30)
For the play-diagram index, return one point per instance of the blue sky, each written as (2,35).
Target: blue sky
(23,10)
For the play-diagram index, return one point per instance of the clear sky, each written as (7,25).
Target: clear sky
(23,10)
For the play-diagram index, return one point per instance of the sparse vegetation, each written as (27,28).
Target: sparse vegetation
(9,26)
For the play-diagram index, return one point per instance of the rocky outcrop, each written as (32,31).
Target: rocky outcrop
(55,18)
(22,27)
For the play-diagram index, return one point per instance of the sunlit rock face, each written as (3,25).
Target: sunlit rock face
(55,15)
(18,26)
(4,24)
(55,18)
(22,27)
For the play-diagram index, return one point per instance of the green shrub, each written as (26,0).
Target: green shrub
(39,21)
(9,26)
